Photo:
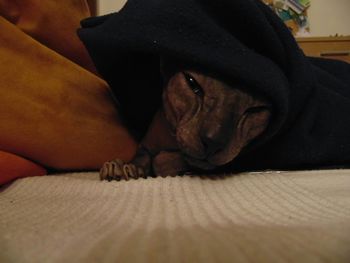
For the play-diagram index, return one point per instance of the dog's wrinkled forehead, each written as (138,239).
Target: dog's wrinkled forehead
(169,67)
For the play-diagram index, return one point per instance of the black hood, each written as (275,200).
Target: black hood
(243,43)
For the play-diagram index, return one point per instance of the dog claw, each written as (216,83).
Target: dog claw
(117,170)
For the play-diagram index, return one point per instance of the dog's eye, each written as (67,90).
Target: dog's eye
(193,84)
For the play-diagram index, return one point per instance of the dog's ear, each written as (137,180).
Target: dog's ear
(254,121)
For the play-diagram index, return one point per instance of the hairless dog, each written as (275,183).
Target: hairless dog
(203,124)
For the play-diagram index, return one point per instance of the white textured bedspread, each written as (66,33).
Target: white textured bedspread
(251,217)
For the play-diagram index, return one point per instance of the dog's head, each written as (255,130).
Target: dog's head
(212,121)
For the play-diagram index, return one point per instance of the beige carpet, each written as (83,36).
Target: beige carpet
(252,217)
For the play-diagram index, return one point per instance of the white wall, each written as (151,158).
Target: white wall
(329,17)
(109,6)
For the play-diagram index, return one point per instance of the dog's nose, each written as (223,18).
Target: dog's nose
(211,145)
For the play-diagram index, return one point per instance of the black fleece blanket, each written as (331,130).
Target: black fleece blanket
(243,42)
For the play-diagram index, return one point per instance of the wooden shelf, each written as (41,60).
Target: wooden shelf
(327,47)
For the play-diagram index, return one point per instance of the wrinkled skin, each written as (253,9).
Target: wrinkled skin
(204,124)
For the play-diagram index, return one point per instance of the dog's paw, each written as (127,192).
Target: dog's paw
(119,170)
(169,164)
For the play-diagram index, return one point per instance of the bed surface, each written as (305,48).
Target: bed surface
(251,217)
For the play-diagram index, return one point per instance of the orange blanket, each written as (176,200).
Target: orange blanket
(13,167)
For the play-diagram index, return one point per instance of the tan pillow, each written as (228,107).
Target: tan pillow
(53,111)
(52,23)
